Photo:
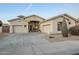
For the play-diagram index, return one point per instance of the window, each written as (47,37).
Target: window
(59,26)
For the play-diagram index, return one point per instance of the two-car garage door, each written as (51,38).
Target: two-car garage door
(18,29)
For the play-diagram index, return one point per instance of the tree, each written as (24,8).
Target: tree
(64,29)
(0,23)
(74,30)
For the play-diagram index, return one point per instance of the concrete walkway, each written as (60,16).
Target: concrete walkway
(35,44)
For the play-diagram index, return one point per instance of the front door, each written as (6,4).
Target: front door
(33,26)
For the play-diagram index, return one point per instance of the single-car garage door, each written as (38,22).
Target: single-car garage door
(47,28)
(18,29)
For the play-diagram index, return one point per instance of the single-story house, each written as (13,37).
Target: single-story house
(53,24)
(5,28)
(25,24)
(35,23)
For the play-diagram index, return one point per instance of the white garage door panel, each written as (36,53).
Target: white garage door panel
(18,29)
(47,29)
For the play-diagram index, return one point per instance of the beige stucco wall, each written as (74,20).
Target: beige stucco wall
(52,29)
(23,22)
(72,22)
(60,20)
(19,22)
(55,25)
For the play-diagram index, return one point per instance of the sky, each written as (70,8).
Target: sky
(46,10)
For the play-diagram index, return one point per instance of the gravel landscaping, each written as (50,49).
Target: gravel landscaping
(59,38)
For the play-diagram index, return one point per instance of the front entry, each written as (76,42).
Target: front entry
(33,26)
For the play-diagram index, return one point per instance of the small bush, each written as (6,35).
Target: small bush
(74,30)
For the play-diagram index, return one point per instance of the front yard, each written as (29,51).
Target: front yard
(59,38)
(50,38)
(38,44)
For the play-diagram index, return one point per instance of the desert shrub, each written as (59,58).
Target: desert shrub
(64,29)
(74,30)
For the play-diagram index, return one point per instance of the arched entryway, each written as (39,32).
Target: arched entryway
(33,26)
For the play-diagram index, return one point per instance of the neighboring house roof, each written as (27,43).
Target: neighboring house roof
(5,23)
(62,15)
(25,18)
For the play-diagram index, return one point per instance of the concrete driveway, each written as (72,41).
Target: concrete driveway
(35,44)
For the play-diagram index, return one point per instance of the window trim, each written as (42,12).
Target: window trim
(58,26)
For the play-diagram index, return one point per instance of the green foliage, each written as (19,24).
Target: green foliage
(0,23)
(74,30)
(64,29)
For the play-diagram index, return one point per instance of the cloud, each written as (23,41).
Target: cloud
(26,9)
(29,7)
